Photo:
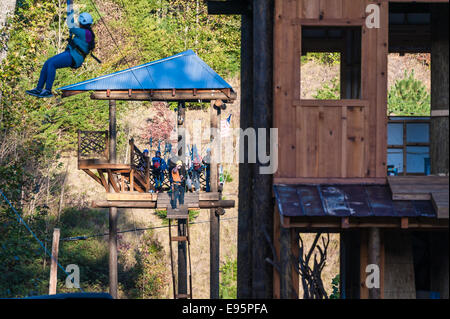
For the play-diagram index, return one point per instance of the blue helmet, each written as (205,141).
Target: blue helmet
(85,19)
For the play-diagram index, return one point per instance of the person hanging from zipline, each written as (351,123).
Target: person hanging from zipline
(81,43)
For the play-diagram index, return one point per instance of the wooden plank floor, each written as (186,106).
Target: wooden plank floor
(434,188)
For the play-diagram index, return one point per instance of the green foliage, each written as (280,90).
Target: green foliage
(227,177)
(329,91)
(193,214)
(335,284)
(172,26)
(409,96)
(322,58)
(228,283)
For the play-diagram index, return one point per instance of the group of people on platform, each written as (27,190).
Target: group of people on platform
(179,176)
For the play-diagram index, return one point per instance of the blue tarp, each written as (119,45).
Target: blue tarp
(181,71)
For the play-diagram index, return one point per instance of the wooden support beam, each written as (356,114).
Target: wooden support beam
(166,95)
(152,204)
(103,179)
(95,177)
(113,181)
(54,262)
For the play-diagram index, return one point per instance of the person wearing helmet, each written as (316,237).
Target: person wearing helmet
(158,168)
(178,174)
(81,43)
(196,171)
(142,165)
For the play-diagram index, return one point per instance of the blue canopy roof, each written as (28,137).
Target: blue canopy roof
(181,71)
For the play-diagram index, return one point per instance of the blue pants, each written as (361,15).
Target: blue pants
(48,72)
(178,194)
(159,178)
(196,179)
(208,176)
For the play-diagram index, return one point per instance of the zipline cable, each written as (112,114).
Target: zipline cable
(76,238)
(21,220)
(116,44)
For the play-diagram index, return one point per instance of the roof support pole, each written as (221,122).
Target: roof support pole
(113,277)
(182,227)
(214,217)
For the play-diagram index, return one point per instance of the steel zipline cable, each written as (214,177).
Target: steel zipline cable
(21,220)
(76,238)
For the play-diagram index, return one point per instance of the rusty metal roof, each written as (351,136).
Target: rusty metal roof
(347,201)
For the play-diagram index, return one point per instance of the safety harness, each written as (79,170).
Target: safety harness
(80,51)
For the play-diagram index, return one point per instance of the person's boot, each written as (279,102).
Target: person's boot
(34,92)
(45,93)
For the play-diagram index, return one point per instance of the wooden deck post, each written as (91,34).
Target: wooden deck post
(113,277)
(54,263)
(214,226)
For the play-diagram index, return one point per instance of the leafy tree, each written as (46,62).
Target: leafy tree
(409,96)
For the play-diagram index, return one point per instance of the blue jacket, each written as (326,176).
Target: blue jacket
(81,39)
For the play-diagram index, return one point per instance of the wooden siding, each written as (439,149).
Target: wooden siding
(330,139)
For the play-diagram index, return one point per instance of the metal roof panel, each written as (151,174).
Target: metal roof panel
(181,71)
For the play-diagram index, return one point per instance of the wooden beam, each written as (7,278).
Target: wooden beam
(131,196)
(95,177)
(328,22)
(152,204)
(329,103)
(168,95)
(103,179)
(317,181)
(113,181)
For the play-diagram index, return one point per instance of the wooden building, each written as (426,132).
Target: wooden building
(332,163)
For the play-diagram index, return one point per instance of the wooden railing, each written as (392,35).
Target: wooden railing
(140,165)
(93,145)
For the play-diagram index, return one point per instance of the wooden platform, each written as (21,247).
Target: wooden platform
(161,201)
(181,212)
(433,188)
